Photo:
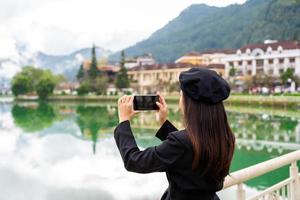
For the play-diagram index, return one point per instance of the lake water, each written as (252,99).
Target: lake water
(66,151)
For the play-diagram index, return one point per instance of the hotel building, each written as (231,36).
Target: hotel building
(270,57)
(149,78)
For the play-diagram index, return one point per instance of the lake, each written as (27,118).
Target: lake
(66,151)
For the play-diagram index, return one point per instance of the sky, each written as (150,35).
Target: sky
(63,26)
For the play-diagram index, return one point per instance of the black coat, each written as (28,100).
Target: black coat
(173,156)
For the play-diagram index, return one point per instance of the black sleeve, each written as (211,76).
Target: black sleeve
(165,129)
(153,159)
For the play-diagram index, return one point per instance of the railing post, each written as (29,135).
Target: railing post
(295,195)
(240,192)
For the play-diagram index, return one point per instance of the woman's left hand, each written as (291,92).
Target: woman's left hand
(125,108)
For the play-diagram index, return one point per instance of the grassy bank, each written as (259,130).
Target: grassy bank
(259,100)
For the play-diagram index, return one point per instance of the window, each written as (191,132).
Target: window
(292,60)
(281,71)
(240,63)
(260,63)
(249,62)
(271,61)
(281,60)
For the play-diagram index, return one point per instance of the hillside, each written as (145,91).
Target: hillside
(204,27)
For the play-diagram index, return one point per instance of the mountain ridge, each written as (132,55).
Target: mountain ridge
(201,27)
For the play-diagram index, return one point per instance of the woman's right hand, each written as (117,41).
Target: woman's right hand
(162,113)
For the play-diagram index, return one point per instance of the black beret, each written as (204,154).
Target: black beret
(204,85)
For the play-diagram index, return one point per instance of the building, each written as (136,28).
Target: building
(150,78)
(109,70)
(206,57)
(270,57)
(146,59)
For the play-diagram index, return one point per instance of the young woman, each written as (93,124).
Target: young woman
(196,159)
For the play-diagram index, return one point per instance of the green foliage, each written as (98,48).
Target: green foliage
(32,119)
(45,87)
(101,84)
(80,73)
(288,74)
(90,121)
(202,27)
(84,88)
(122,62)
(232,71)
(122,77)
(21,84)
(32,79)
(93,71)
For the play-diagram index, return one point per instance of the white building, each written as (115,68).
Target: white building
(146,59)
(206,57)
(271,57)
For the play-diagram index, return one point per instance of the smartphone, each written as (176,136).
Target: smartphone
(146,102)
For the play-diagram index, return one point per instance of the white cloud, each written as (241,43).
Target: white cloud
(61,26)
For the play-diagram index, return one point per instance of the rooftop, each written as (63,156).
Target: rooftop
(273,45)
(175,66)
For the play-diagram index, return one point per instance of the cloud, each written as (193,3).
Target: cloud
(61,26)
(8,69)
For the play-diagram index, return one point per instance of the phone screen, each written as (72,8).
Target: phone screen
(147,102)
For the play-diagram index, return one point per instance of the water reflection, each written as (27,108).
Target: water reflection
(94,120)
(73,144)
(34,117)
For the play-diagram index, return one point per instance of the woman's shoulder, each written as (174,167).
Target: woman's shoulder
(181,137)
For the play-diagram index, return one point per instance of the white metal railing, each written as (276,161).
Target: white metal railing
(287,189)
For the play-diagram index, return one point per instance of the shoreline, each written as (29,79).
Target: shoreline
(253,100)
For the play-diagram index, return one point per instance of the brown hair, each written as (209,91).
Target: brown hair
(212,139)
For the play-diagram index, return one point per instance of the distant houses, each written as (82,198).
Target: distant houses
(151,78)
(146,59)
(109,70)
(271,58)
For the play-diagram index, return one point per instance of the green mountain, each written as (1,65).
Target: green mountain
(202,27)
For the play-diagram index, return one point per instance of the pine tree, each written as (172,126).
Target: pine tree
(122,78)
(80,73)
(93,72)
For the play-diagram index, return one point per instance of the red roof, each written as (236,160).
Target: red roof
(109,68)
(175,65)
(274,46)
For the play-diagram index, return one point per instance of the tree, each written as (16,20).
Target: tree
(80,73)
(45,87)
(101,85)
(32,79)
(122,77)
(21,85)
(288,74)
(93,71)
(84,88)
(232,71)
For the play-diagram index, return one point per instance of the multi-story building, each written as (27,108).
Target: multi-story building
(270,57)
(150,78)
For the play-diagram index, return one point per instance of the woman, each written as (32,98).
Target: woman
(196,159)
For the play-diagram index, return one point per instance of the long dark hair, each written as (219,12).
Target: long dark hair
(212,139)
